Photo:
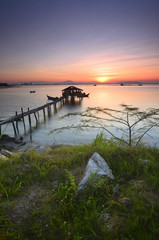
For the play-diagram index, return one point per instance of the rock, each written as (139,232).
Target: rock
(125,201)
(55,185)
(104,217)
(2,157)
(41,149)
(115,224)
(6,153)
(96,167)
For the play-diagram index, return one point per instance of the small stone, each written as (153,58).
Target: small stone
(41,149)
(56,185)
(6,153)
(21,138)
(104,217)
(2,157)
(125,201)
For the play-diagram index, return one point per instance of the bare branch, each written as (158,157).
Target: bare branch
(136,123)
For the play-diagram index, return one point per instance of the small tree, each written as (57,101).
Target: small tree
(133,123)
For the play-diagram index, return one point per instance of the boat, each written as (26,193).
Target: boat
(32,91)
(83,95)
(53,98)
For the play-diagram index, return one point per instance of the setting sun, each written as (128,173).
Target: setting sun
(102,79)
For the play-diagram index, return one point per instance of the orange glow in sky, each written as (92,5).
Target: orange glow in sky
(81,41)
(102,79)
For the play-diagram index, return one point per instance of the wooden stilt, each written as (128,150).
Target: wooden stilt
(29,119)
(35,117)
(55,108)
(38,115)
(23,120)
(14,128)
(17,123)
(44,114)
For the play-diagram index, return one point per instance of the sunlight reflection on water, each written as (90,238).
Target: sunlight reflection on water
(108,96)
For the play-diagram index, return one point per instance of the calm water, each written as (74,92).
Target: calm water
(13,99)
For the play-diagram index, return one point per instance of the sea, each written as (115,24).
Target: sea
(102,96)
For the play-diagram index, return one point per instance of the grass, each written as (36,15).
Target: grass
(39,196)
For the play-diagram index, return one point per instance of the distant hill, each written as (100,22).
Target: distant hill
(69,82)
(4,84)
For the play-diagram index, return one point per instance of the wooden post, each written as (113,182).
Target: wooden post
(49,110)
(35,117)
(38,115)
(55,108)
(17,123)
(0,130)
(44,114)
(23,120)
(29,119)
(15,132)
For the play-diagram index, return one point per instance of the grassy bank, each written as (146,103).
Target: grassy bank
(39,197)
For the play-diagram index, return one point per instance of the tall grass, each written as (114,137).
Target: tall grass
(40,198)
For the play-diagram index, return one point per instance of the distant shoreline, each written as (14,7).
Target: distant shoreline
(2,87)
(63,84)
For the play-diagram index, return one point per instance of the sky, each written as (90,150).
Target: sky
(79,40)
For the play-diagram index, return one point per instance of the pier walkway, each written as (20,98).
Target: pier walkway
(18,117)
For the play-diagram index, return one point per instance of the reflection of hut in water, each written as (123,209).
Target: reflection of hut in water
(73,92)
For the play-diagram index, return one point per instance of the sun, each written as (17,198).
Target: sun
(102,79)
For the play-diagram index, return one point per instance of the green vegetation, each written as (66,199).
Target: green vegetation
(3,131)
(39,196)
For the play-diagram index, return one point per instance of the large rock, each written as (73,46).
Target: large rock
(97,168)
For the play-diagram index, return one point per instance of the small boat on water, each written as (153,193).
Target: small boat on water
(32,91)
(53,98)
(83,95)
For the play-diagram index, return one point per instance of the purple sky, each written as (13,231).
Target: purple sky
(79,40)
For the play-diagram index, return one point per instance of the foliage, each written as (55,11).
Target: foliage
(39,196)
(4,131)
(131,122)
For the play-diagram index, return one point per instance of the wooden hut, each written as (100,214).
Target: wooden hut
(73,92)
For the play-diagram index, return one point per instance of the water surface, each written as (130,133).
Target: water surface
(111,96)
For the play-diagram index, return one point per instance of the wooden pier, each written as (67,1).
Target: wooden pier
(21,117)
(69,92)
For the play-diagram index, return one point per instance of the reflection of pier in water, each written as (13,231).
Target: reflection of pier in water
(69,98)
